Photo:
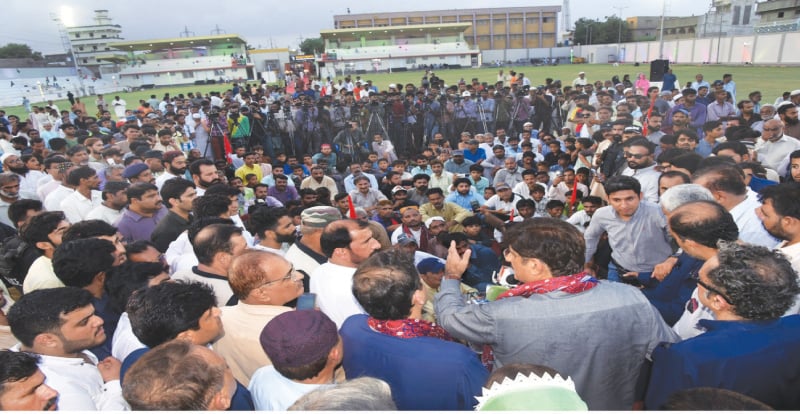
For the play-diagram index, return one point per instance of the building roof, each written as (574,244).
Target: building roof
(547,8)
(177,42)
(454,28)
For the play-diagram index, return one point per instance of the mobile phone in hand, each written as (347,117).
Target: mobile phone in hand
(307,301)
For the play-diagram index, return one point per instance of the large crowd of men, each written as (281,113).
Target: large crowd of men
(333,244)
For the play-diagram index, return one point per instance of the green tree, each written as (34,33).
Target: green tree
(312,46)
(19,50)
(596,32)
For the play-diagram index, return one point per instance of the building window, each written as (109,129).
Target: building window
(748,10)
(77,35)
(85,61)
(80,48)
(187,74)
(780,15)
(104,36)
(737,10)
(544,19)
(94,47)
(91,34)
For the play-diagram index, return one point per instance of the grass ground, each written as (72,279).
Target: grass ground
(770,80)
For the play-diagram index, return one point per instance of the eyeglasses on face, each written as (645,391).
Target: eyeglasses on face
(289,276)
(635,156)
(712,289)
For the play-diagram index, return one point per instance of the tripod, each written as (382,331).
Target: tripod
(482,115)
(216,140)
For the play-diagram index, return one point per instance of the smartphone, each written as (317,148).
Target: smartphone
(307,301)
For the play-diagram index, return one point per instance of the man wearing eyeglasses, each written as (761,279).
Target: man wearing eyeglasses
(641,165)
(264,282)
(749,348)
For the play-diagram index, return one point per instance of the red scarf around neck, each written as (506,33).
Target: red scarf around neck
(408,328)
(576,283)
(422,243)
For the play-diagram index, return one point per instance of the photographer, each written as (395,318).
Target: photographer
(239,126)
(543,109)
(521,110)
(351,144)
(486,111)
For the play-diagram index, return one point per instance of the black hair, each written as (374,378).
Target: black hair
(174,188)
(336,235)
(87,229)
(19,209)
(385,283)
(622,183)
(81,173)
(159,313)
(194,167)
(74,267)
(212,205)
(216,241)
(42,310)
(266,218)
(16,367)
(113,187)
(123,280)
(40,227)
(784,198)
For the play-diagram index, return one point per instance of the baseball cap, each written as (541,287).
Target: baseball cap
(404,239)
(501,186)
(430,265)
(633,129)
(319,216)
(398,188)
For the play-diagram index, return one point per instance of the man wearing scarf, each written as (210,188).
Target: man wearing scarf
(425,368)
(597,332)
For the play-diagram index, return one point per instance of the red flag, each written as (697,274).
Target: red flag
(511,216)
(649,112)
(352,207)
(574,194)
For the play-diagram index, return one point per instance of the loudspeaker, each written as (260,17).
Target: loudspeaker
(658,68)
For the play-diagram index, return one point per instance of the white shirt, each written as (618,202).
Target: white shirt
(417,234)
(80,385)
(124,341)
(792,253)
(101,212)
(180,254)
(222,290)
(272,391)
(333,285)
(751,230)
(648,178)
(28,184)
(76,207)
(161,179)
(45,186)
(686,327)
(41,276)
(580,220)
(559,192)
(770,154)
(53,200)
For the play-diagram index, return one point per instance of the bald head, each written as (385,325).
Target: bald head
(251,270)
(704,222)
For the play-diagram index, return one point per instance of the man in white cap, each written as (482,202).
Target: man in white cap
(580,80)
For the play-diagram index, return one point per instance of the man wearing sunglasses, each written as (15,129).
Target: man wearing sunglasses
(639,153)
(748,347)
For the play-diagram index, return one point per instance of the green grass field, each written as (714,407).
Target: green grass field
(770,80)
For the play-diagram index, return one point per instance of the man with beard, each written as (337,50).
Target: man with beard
(145,210)
(166,142)
(788,114)
(564,183)
(22,386)
(274,227)
(780,216)
(355,171)
(465,196)
(364,196)
(642,166)
(318,179)
(27,179)
(86,196)
(774,146)
(9,193)
(178,194)
(413,228)
(59,325)
(115,198)
(346,243)
(654,132)
(174,167)
(417,194)
(204,174)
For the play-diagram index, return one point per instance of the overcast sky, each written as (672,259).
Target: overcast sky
(263,23)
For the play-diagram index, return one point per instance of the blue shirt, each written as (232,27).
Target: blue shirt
(465,201)
(479,154)
(424,373)
(760,359)
(671,294)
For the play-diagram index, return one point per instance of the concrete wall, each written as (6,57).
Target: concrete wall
(767,49)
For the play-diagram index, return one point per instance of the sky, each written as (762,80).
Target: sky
(263,23)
